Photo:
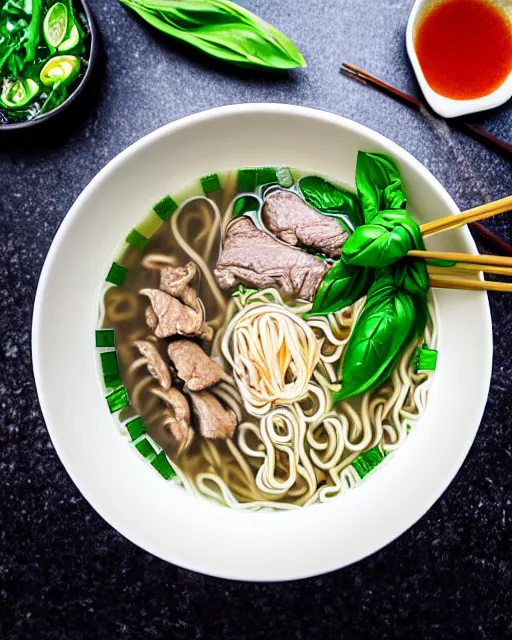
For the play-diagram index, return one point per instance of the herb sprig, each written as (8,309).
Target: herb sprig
(221,29)
(373,263)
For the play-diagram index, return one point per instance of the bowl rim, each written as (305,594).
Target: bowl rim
(93,54)
(442,105)
(103,175)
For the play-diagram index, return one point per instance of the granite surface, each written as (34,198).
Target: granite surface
(65,573)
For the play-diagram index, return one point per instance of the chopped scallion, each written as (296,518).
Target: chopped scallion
(284,176)
(145,448)
(165,207)
(367,461)
(210,183)
(250,178)
(136,428)
(110,367)
(105,338)
(117,399)
(137,240)
(162,465)
(425,359)
(116,274)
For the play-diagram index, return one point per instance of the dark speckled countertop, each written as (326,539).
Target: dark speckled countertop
(65,573)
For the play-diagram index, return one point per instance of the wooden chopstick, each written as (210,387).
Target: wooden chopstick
(466,217)
(451,278)
(461,267)
(452,282)
(469,258)
(352,71)
(490,239)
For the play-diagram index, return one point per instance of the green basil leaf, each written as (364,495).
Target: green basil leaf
(379,185)
(383,329)
(411,274)
(372,245)
(340,288)
(326,197)
(34,31)
(222,29)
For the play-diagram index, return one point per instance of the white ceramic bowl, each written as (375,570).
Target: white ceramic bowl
(447,107)
(163,519)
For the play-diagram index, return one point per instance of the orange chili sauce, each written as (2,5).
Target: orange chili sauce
(464,48)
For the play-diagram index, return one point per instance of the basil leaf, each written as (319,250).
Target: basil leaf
(326,197)
(379,185)
(373,246)
(411,274)
(340,288)
(385,326)
(34,31)
(222,29)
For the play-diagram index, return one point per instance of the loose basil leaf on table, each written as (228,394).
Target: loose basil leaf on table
(328,198)
(342,286)
(384,241)
(386,325)
(222,29)
(379,185)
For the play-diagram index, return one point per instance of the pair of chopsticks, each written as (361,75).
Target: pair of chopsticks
(497,244)
(452,277)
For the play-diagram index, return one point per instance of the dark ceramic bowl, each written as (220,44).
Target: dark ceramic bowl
(54,113)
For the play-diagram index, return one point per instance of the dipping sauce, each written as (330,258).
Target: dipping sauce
(464,48)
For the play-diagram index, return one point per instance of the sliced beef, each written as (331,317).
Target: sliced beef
(151,319)
(294,221)
(174,317)
(178,418)
(214,420)
(156,365)
(194,367)
(253,258)
(176,282)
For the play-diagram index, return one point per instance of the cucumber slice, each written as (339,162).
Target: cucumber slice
(55,24)
(18,93)
(71,41)
(61,69)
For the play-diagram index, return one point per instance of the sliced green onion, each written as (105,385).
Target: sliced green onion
(210,183)
(163,466)
(71,41)
(116,274)
(136,428)
(145,448)
(245,204)
(117,399)
(250,178)
(137,240)
(284,176)
(61,69)
(165,207)
(105,338)
(55,25)
(18,93)
(110,367)
(266,175)
(425,359)
(367,461)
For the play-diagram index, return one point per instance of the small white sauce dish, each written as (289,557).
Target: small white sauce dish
(448,107)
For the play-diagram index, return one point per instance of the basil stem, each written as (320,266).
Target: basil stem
(221,29)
